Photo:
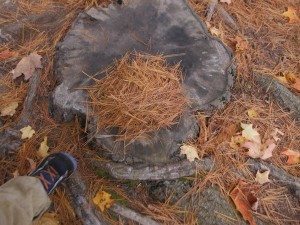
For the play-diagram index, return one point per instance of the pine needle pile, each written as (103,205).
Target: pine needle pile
(140,94)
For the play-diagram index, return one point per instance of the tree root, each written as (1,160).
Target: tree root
(281,94)
(84,210)
(10,138)
(160,172)
(132,215)
(227,17)
(211,9)
(281,176)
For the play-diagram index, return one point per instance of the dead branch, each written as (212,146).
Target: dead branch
(84,210)
(211,9)
(293,183)
(132,215)
(159,172)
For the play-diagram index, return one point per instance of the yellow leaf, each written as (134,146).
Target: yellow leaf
(249,133)
(43,150)
(236,142)
(103,200)
(10,109)
(262,178)
(47,219)
(27,132)
(291,14)
(293,156)
(252,113)
(190,151)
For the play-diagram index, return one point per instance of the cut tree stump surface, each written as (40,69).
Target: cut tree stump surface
(169,27)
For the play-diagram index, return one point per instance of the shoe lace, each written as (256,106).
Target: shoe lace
(52,174)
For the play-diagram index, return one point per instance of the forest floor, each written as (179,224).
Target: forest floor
(264,40)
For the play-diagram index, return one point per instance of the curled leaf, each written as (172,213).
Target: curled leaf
(293,156)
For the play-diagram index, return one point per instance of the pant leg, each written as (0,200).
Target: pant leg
(22,199)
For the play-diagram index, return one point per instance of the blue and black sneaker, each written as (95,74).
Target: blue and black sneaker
(54,169)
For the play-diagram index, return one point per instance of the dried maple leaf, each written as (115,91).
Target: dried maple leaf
(263,177)
(190,151)
(237,142)
(27,132)
(103,200)
(244,200)
(215,31)
(296,85)
(10,109)
(27,66)
(254,149)
(252,113)
(291,14)
(249,133)
(274,134)
(6,54)
(269,148)
(43,150)
(47,219)
(241,44)
(293,156)
(226,1)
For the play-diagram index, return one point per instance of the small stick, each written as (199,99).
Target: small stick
(227,17)
(132,215)
(211,9)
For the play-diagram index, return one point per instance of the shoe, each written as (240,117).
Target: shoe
(54,169)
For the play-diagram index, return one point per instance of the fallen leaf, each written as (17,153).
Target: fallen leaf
(27,132)
(252,113)
(27,66)
(43,150)
(282,79)
(32,164)
(249,133)
(269,148)
(241,44)
(47,219)
(16,173)
(6,54)
(254,149)
(226,1)
(293,156)
(10,109)
(215,31)
(103,200)
(263,177)
(290,77)
(244,200)
(190,151)
(296,85)
(274,134)
(291,14)
(237,142)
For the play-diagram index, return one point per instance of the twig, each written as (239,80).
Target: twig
(227,17)
(160,172)
(132,215)
(211,9)
(84,210)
